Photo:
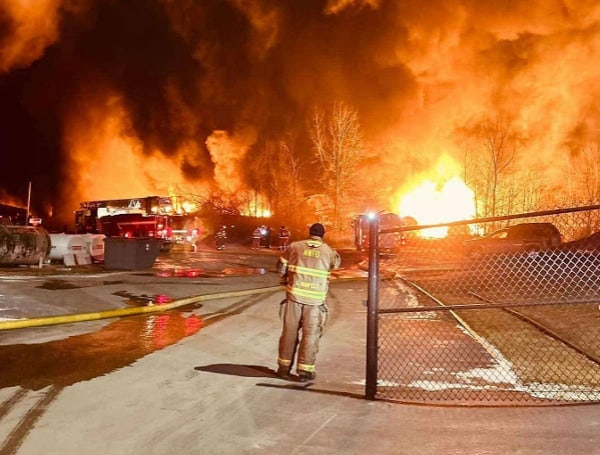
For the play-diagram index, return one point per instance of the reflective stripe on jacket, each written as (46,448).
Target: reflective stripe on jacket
(307,265)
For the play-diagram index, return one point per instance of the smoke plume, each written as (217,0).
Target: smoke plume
(109,99)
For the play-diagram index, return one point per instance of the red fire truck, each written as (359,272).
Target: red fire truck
(151,216)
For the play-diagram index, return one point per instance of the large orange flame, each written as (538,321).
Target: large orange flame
(431,204)
(439,197)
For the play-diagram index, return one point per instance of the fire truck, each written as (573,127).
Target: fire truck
(387,242)
(151,216)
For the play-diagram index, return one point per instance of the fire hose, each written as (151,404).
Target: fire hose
(81,317)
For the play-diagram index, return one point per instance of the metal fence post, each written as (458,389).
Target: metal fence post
(372,307)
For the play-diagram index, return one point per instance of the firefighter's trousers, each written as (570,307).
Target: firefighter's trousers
(302,330)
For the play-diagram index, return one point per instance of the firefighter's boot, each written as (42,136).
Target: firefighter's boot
(283,372)
(306,376)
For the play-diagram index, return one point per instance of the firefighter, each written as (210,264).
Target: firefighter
(266,235)
(284,238)
(304,269)
(220,238)
(256,235)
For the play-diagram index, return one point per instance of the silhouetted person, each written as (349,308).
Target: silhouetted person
(304,268)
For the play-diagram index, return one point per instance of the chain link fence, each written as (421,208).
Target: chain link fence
(492,311)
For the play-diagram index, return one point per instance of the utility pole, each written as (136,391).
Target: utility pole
(28,203)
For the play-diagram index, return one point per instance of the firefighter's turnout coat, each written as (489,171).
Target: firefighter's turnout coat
(305,268)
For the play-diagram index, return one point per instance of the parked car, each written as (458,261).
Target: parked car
(589,244)
(524,237)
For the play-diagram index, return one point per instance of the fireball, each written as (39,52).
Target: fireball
(432,203)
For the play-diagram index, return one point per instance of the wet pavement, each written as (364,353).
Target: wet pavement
(24,291)
(201,379)
(36,357)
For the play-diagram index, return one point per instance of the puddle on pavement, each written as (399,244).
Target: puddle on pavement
(54,285)
(87,356)
(116,345)
(119,344)
(143,299)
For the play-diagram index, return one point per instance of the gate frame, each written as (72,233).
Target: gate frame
(372,341)
(372,310)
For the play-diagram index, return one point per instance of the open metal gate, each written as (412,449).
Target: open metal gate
(486,312)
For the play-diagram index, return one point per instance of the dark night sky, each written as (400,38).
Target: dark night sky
(255,69)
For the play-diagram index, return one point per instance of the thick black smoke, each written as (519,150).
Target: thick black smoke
(210,54)
(186,68)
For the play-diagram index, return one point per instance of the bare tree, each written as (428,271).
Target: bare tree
(529,189)
(216,201)
(500,145)
(583,183)
(291,185)
(492,165)
(276,174)
(584,172)
(337,144)
(223,203)
(263,170)
(285,182)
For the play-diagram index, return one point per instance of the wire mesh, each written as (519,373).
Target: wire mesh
(468,318)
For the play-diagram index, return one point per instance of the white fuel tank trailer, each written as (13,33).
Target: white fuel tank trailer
(69,248)
(95,246)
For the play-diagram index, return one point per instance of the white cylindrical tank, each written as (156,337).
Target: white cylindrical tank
(95,246)
(66,244)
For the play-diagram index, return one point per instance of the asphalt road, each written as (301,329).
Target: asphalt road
(200,379)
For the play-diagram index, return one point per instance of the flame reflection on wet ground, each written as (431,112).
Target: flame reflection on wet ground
(90,355)
(121,343)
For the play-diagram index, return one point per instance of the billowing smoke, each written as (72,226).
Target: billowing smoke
(29,28)
(227,155)
(108,98)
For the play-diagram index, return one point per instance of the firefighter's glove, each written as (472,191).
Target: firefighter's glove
(283,281)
